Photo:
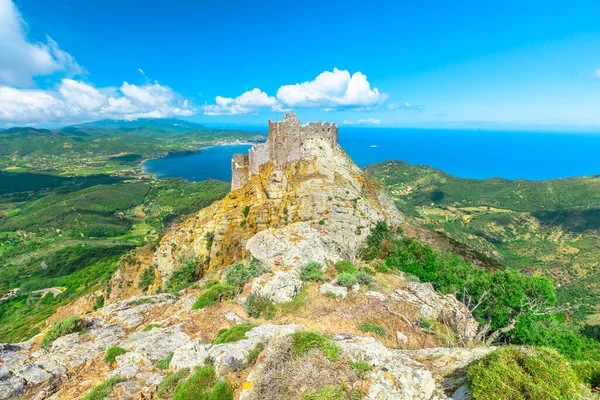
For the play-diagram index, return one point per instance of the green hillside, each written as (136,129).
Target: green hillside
(547,227)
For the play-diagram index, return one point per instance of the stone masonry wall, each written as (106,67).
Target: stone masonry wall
(282,146)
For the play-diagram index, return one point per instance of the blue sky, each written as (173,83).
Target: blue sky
(436,64)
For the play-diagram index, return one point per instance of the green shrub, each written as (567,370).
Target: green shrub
(146,278)
(167,386)
(255,352)
(99,302)
(312,272)
(523,373)
(363,278)
(104,389)
(246,211)
(369,271)
(62,328)
(112,353)
(344,266)
(238,275)
(233,334)
(191,271)
(257,306)
(362,367)
(347,279)
(149,327)
(212,295)
(305,341)
(165,362)
(368,327)
(203,385)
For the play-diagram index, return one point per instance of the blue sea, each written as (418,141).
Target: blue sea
(467,154)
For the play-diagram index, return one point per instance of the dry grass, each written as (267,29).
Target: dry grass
(286,377)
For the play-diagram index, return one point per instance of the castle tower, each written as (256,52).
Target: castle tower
(282,146)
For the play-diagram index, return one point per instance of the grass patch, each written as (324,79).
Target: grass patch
(371,328)
(167,386)
(139,302)
(149,327)
(62,328)
(296,305)
(165,362)
(303,342)
(345,266)
(104,389)
(257,306)
(112,353)
(212,295)
(255,352)
(203,385)
(523,373)
(233,334)
(312,271)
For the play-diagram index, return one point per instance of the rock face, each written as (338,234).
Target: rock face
(295,198)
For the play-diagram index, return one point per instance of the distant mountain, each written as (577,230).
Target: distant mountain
(168,124)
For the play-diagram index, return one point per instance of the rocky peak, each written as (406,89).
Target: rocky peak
(297,197)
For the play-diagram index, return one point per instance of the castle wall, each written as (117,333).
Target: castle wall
(282,146)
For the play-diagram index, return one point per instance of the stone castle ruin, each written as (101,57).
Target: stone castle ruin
(282,146)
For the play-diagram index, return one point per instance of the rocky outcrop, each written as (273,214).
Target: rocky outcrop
(301,198)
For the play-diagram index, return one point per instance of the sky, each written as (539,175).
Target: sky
(428,64)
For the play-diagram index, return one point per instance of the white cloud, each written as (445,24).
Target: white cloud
(405,106)
(245,103)
(597,74)
(21,59)
(367,121)
(370,121)
(76,101)
(335,89)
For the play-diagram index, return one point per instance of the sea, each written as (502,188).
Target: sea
(477,154)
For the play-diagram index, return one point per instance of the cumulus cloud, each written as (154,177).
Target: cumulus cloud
(245,103)
(337,89)
(76,101)
(22,59)
(328,91)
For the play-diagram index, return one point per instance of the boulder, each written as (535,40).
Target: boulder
(279,287)
(376,296)
(337,291)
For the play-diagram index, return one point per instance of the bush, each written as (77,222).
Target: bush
(257,306)
(167,386)
(233,334)
(255,352)
(588,372)
(305,341)
(62,328)
(238,275)
(146,278)
(203,385)
(368,327)
(344,266)
(347,279)
(112,353)
(190,272)
(101,391)
(523,373)
(212,295)
(363,278)
(312,272)
(165,362)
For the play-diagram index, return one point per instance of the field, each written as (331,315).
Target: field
(549,228)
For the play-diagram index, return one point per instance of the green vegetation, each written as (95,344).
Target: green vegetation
(149,327)
(167,386)
(238,275)
(538,227)
(257,306)
(512,373)
(165,362)
(104,389)
(62,328)
(191,271)
(212,295)
(245,211)
(232,334)
(255,352)
(345,266)
(312,272)
(368,327)
(513,307)
(202,385)
(112,353)
(347,279)
(306,341)
(146,278)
